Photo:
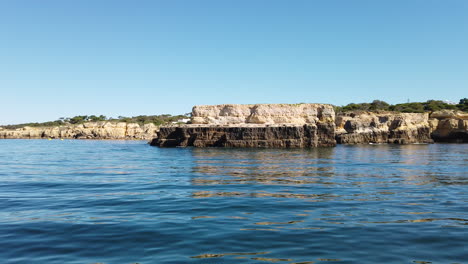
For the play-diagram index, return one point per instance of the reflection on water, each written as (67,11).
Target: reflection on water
(63,200)
(262,166)
(349,186)
(228,254)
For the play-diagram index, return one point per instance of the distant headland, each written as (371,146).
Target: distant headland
(93,127)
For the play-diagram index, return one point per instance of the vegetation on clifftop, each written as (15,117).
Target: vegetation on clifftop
(141,119)
(374,106)
(415,107)
(154,119)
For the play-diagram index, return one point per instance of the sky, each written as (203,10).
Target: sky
(63,58)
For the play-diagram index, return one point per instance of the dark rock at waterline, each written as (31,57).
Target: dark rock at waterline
(452,137)
(253,136)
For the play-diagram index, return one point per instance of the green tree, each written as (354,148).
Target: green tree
(94,118)
(378,105)
(463,104)
(78,119)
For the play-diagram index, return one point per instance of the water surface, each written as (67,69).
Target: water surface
(72,201)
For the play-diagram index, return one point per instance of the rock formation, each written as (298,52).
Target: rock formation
(389,127)
(273,126)
(262,114)
(309,125)
(270,125)
(251,136)
(89,130)
(403,128)
(449,126)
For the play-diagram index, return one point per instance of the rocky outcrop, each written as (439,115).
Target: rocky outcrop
(267,126)
(89,130)
(401,128)
(249,136)
(388,127)
(449,126)
(309,125)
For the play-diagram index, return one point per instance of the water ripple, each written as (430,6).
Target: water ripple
(126,202)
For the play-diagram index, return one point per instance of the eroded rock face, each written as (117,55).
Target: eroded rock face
(309,125)
(89,130)
(262,125)
(297,114)
(449,126)
(367,127)
(250,136)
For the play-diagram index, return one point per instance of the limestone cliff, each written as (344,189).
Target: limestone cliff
(226,114)
(403,128)
(388,127)
(309,125)
(89,130)
(261,125)
(273,125)
(250,136)
(449,126)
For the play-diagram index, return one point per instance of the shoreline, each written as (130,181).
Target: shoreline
(309,126)
(91,130)
(271,126)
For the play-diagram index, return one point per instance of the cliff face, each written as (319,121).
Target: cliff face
(366,127)
(272,125)
(253,136)
(226,114)
(449,126)
(90,130)
(309,125)
(402,128)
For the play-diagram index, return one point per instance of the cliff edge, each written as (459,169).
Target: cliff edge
(228,114)
(257,125)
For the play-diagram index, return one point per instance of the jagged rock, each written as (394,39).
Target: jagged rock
(309,125)
(449,126)
(388,127)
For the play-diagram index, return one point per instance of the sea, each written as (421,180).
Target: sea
(85,201)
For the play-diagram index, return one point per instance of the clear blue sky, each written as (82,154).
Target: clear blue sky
(66,58)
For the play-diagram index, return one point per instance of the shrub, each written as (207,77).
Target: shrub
(415,107)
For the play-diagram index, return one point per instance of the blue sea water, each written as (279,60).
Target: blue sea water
(75,201)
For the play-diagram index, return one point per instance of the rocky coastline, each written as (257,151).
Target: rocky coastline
(271,126)
(309,125)
(88,130)
(402,128)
